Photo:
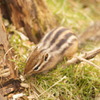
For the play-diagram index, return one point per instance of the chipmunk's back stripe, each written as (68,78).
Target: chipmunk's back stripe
(48,35)
(62,41)
(57,35)
(46,43)
(69,44)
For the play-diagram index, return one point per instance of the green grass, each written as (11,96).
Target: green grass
(72,14)
(82,80)
(21,49)
(82,83)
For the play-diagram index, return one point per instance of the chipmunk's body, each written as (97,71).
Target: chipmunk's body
(54,46)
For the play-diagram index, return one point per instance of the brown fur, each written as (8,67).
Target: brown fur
(65,44)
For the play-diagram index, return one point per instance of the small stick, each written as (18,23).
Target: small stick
(53,85)
(7,53)
(89,62)
(88,55)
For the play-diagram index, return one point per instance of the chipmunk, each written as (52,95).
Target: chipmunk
(54,46)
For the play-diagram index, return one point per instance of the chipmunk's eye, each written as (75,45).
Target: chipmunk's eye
(46,57)
(37,67)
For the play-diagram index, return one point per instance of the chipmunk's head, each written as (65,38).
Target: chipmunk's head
(38,61)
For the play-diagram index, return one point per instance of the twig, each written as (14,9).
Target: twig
(89,62)
(53,85)
(7,53)
(88,55)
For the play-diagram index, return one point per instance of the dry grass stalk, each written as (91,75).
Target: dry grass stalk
(89,62)
(52,86)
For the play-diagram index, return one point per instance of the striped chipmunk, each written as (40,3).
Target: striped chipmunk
(55,45)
